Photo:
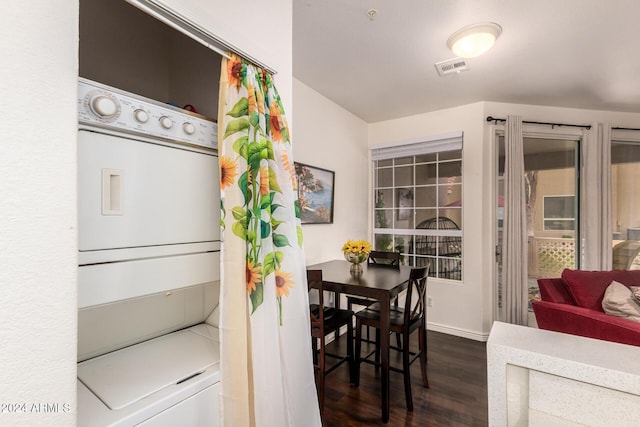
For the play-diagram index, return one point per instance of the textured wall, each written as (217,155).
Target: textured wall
(327,136)
(38,74)
(38,262)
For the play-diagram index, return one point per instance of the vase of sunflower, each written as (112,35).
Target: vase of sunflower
(356,252)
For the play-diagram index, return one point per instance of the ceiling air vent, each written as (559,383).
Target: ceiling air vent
(451,66)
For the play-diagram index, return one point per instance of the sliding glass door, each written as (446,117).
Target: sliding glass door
(552,206)
(625,205)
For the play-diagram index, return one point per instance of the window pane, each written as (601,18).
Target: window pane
(384,177)
(404,223)
(426,245)
(425,174)
(455,215)
(404,161)
(449,268)
(426,158)
(426,197)
(423,216)
(404,218)
(387,162)
(383,218)
(384,198)
(383,242)
(404,175)
(448,170)
(403,243)
(450,195)
(450,155)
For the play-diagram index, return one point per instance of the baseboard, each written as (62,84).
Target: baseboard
(463,333)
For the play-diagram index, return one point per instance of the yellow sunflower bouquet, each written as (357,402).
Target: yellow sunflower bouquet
(356,251)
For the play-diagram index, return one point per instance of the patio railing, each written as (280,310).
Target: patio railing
(548,256)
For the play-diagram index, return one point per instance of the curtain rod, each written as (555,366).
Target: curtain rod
(494,119)
(617,128)
(197,33)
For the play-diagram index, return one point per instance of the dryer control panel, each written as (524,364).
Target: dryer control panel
(112,108)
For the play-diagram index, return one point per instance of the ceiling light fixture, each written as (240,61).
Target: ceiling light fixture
(474,40)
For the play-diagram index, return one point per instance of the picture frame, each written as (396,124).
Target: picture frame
(315,193)
(405,203)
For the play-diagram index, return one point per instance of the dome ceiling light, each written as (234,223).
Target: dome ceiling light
(474,40)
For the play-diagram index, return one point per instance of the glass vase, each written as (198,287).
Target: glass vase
(355,258)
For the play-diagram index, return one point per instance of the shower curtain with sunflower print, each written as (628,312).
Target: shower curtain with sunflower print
(267,373)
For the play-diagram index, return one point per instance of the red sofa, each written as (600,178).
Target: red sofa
(573,304)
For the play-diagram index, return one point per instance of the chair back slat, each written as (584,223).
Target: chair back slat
(382,258)
(416,293)
(314,281)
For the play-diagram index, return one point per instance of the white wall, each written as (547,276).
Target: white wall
(457,307)
(38,249)
(328,136)
(466,309)
(38,41)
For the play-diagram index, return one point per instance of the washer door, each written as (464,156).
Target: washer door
(133,373)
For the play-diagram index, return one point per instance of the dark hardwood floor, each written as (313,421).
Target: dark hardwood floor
(457,393)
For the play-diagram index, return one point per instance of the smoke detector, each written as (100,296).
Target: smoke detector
(451,66)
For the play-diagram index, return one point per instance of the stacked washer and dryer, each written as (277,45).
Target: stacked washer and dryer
(149,241)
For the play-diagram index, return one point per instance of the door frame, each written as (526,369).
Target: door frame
(528,131)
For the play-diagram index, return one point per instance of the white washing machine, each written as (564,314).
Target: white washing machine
(149,241)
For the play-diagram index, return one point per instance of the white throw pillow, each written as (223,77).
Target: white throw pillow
(618,301)
(635,292)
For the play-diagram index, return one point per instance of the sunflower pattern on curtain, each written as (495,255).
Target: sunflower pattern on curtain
(267,376)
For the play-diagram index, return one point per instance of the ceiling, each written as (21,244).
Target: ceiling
(566,53)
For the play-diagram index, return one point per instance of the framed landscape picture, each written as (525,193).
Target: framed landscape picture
(315,194)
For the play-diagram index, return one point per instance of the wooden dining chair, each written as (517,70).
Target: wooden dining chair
(403,320)
(379,259)
(387,259)
(325,321)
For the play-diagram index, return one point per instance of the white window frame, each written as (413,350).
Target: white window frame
(417,147)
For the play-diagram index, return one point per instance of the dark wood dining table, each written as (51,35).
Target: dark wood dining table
(376,282)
